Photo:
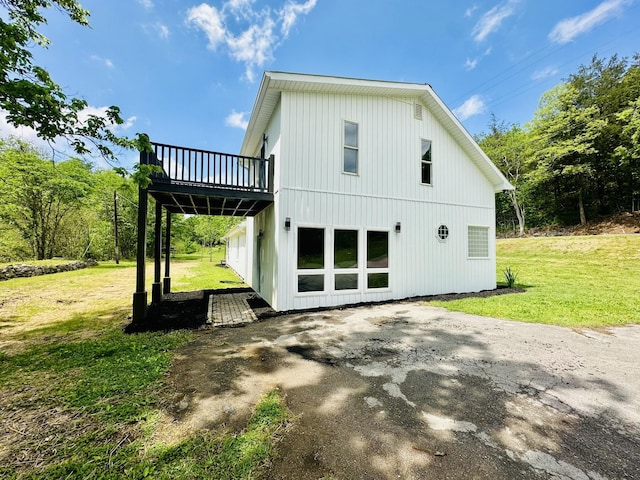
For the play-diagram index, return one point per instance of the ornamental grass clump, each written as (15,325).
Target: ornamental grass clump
(510,277)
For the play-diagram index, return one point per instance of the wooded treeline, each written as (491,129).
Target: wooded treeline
(578,159)
(71,210)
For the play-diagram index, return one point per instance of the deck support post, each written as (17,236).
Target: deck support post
(140,295)
(156,289)
(166,283)
(271,171)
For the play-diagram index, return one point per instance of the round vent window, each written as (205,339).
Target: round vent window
(443,232)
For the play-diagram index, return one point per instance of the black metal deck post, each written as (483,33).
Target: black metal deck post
(156,288)
(140,295)
(272,166)
(166,287)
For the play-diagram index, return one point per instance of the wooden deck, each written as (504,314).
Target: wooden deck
(202,182)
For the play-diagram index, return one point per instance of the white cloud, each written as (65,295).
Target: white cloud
(474,105)
(491,20)
(106,61)
(59,146)
(241,9)
(469,11)
(24,133)
(291,11)
(163,30)
(83,116)
(248,35)
(253,46)
(569,28)
(237,120)
(544,73)
(471,64)
(148,4)
(209,20)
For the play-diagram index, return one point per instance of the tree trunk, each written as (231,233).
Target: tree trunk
(115,227)
(518,209)
(583,217)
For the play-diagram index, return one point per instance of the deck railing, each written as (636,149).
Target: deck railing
(204,168)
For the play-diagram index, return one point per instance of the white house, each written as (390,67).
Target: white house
(379,193)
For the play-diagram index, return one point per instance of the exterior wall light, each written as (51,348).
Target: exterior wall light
(398,228)
(287,224)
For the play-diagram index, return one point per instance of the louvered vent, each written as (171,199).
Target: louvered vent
(417,111)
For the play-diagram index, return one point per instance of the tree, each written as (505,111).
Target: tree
(563,135)
(39,195)
(209,230)
(610,86)
(30,96)
(505,146)
(629,150)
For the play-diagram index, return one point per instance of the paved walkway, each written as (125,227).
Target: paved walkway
(230,310)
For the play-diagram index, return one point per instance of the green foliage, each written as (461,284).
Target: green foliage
(39,195)
(112,382)
(101,234)
(13,247)
(628,152)
(239,456)
(64,209)
(510,277)
(30,96)
(570,281)
(505,146)
(106,376)
(209,230)
(578,157)
(563,138)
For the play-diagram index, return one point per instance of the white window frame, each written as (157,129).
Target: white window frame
(312,271)
(350,147)
(487,230)
(441,225)
(429,162)
(368,270)
(329,271)
(358,270)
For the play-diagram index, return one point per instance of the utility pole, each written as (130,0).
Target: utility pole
(115,226)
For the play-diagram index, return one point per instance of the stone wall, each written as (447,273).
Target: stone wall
(23,270)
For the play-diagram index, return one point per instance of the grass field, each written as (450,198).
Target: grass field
(572,281)
(81,399)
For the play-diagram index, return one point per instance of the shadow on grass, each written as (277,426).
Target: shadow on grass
(179,311)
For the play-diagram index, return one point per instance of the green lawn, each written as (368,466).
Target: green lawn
(572,281)
(205,272)
(81,399)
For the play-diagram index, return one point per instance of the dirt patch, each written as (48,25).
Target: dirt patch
(620,224)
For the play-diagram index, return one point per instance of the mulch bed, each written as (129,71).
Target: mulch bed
(188,310)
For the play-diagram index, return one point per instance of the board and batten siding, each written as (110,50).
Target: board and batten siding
(265,250)
(419,263)
(236,252)
(313,192)
(388,150)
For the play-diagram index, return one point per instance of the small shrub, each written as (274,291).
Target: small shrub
(510,277)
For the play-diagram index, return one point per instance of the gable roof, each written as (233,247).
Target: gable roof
(274,83)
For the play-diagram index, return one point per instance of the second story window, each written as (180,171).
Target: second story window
(425,163)
(350,158)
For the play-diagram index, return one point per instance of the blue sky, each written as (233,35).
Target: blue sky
(187,72)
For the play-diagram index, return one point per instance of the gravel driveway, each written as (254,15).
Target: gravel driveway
(410,391)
